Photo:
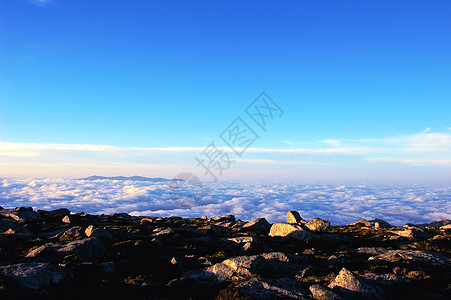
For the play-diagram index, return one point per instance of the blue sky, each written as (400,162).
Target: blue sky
(141,87)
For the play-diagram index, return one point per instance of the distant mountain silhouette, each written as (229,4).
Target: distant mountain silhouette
(132,178)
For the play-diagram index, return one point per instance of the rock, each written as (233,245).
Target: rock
(204,217)
(372,223)
(411,255)
(122,216)
(291,230)
(335,260)
(35,276)
(381,223)
(60,211)
(52,234)
(446,227)
(320,292)
(279,264)
(217,273)
(259,224)
(15,229)
(73,233)
(411,233)
(67,220)
(434,224)
(177,261)
(243,239)
(225,224)
(163,231)
(318,224)
(371,250)
(249,246)
(216,230)
(257,288)
(385,279)
(21,214)
(233,268)
(349,284)
(107,234)
(149,220)
(293,217)
(246,265)
(278,256)
(86,249)
(227,218)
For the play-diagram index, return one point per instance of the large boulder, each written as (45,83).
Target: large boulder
(318,224)
(411,233)
(246,265)
(21,214)
(320,292)
(377,223)
(349,284)
(108,233)
(386,279)
(85,249)
(227,218)
(260,224)
(293,217)
(71,234)
(291,230)
(35,276)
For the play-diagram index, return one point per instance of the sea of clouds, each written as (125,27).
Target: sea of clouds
(340,204)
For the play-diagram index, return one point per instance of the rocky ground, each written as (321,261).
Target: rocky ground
(49,254)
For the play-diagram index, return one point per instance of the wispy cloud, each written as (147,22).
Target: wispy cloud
(332,142)
(288,142)
(425,148)
(414,162)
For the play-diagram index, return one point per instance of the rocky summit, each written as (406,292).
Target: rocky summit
(58,254)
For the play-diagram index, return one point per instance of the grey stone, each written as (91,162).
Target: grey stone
(293,217)
(320,292)
(411,255)
(227,218)
(260,224)
(411,233)
(243,239)
(36,276)
(386,279)
(71,234)
(291,230)
(21,214)
(349,284)
(371,250)
(318,224)
(86,249)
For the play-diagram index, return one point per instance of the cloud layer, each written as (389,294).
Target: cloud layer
(341,204)
(423,156)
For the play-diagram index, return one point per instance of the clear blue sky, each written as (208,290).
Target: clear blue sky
(176,73)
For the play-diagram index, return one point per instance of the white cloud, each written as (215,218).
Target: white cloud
(426,148)
(341,204)
(413,162)
(332,142)
(288,142)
